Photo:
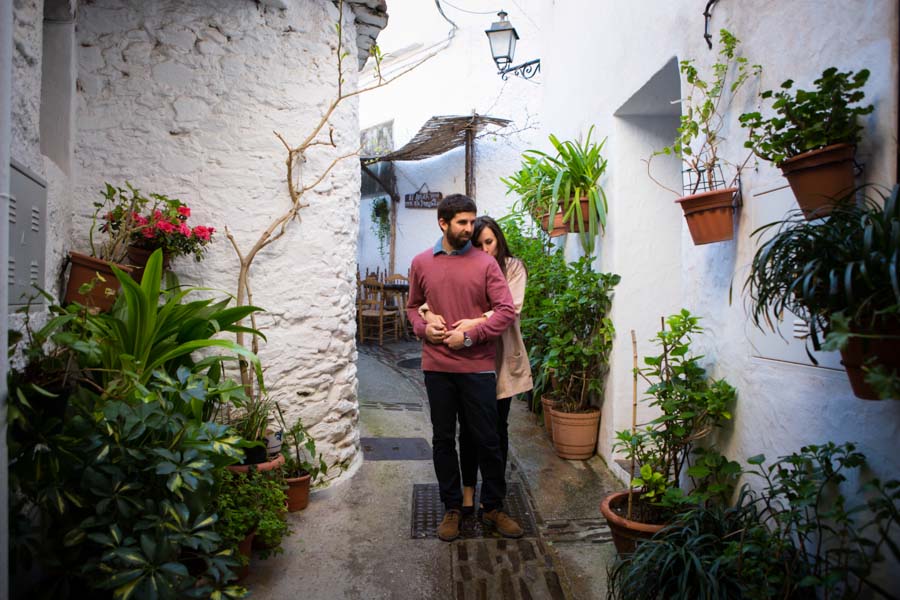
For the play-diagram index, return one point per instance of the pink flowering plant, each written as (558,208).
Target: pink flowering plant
(129,218)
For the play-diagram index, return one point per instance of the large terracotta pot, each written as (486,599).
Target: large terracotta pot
(298,492)
(138,257)
(710,215)
(245,549)
(261,467)
(575,434)
(820,177)
(859,351)
(548,403)
(625,532)
(84,270)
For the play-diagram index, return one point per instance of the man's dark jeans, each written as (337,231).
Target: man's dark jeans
(475,395)
(468,453)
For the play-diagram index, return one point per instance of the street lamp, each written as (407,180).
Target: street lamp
(502,37)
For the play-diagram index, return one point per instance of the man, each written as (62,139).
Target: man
(458,281)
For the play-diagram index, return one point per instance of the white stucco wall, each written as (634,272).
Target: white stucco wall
(459,79)
(182,98)
(783,403)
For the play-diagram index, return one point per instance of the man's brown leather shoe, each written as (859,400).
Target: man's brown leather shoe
(448,530)
(503,523)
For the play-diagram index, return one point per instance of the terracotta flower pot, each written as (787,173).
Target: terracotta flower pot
(547,403)
(820,177)
(261,467)
(85,269)
(245,549)
(710,215)
(298,492)
(138,257)
(859,351)
(575,434)
(559,226)
(625,532)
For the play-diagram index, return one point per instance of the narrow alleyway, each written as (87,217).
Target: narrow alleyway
(365,538)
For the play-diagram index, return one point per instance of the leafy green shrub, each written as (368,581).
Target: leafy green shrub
(252,501)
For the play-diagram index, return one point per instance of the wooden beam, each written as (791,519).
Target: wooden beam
(470,163)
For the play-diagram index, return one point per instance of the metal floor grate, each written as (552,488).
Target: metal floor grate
(393,448)
(428,510)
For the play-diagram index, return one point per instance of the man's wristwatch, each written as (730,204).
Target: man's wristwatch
(467,341)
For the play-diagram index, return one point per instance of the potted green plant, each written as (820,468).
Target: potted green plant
(381,222)
(564,187)
(580,336)
(250,506)
(690,407)
(794,534)
(303,466)
(844,269)
(250,419)
(707,200)
(812,136)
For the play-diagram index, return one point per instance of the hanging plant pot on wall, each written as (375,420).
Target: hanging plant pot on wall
(87,269)
(820,177)
(559,225)
(138,257)
(710,215)
(881,348)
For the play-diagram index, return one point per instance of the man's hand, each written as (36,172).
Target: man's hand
(468,324)
(435,319)
(455,339)
(435,334)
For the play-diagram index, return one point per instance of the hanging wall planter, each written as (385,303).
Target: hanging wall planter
(710,215)
(860,351)
(820,177)
(86,269)
(138,257)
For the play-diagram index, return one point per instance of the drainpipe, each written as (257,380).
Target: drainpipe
(6,49)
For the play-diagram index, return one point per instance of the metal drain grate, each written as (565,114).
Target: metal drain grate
(395,448)
(410,363)
(428,510)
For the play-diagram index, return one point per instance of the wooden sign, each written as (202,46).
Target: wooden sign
(423,200)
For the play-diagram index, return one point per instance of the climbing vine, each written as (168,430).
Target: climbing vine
(381,222)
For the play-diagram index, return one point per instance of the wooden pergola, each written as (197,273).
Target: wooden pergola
(437,136)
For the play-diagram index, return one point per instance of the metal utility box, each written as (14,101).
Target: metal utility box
(27,234)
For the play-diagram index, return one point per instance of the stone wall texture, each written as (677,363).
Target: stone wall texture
(184,99)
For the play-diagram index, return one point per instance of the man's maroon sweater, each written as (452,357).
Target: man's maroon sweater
(460,286)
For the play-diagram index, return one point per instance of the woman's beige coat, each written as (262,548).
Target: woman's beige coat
(513,369)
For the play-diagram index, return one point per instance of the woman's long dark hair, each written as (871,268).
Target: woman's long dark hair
(502,249)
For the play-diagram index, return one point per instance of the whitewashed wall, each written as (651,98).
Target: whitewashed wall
(182,98)
(784,402)
(459,79)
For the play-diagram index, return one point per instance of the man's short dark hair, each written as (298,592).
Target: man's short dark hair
(455,203)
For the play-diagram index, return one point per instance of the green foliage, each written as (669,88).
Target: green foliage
(381,222)
(809,120)
(704,108)
(251,501)
(151,329)
(122,490)
(691,407)
(546,278)
(547,184)
(299,451)
(798,537)
(579,333)
(847,264)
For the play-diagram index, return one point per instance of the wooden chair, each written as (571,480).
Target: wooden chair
(397,296)
(373,314)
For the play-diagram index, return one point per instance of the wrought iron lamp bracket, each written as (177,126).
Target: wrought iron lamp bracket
(526,70)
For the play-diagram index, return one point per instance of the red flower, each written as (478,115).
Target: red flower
(203,233)
(157,214)
(184,211)
(148,232)
(185,230)
(165,226)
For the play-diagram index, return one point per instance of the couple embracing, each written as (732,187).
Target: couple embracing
(463,302)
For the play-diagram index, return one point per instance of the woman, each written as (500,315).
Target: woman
(513,369)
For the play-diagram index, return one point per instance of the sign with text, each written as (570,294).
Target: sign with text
(423,199)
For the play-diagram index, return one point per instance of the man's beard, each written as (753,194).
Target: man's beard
(458,242)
